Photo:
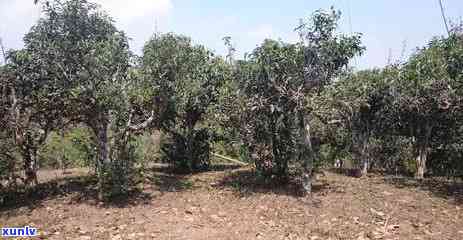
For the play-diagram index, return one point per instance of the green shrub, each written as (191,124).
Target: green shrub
(174,151)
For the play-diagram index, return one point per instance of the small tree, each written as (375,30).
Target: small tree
(80,49)
(326,54)
(187,78)
(280,80)
(31,107)
(353,103)
(8,161)
(270,80)
(425,100)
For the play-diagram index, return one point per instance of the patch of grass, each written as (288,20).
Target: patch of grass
(186,184)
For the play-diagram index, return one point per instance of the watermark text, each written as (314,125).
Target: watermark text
(18,232)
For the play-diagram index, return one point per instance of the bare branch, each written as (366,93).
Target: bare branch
(142,125)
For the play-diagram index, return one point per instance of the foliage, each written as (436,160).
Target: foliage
(78,46)
(279,82)
(351,107)
(74,148)
(30,106)
(187,78)
(427,101)
(9,164)
(270,76)
(398,117)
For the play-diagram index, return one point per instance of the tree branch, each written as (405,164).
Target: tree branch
(141,125)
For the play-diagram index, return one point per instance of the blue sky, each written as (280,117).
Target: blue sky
(390,27)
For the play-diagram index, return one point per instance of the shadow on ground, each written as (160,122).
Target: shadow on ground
(83,189)
(76,189)
(439,187)
(165,178)
(168,182)
(247,182)
(165,168)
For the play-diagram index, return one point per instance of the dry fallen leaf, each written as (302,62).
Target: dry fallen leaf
(379,213)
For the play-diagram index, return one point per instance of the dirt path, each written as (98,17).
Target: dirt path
(230,205)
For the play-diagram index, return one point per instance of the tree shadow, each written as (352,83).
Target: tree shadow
(83,189)
(223,167)
(246,182)
(351,172)
(439,187)
(167,168)
(73,189)
(168,181)
(165,178)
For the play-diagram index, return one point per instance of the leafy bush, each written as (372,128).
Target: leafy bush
(174,151)
(188,77)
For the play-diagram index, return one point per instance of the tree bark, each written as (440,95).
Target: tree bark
(365,164)
(421,162)
(360,145)
(103,160)
(29,155)
(115,149)
(306,153)
(28,149)
(364,155)
(192,161)
(422,152)
(62,158)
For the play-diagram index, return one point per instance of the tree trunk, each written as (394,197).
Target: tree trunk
(364,155)
(422,151)
(28,150)
(192,161)
(306,153)
(62,159)
(365,164)
(29,155)
(421,162)
(103,160)
(360,146)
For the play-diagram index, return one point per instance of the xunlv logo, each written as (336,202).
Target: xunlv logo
(19,232)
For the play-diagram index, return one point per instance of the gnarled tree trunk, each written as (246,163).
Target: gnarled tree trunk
(364,156)
(421,159)
(422,145)
(361,147)
(28,146)
(29,155)
(114,149)
(101,129)
(306,153)
(192,161)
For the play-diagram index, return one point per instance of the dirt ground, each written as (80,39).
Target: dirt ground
(233,204)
